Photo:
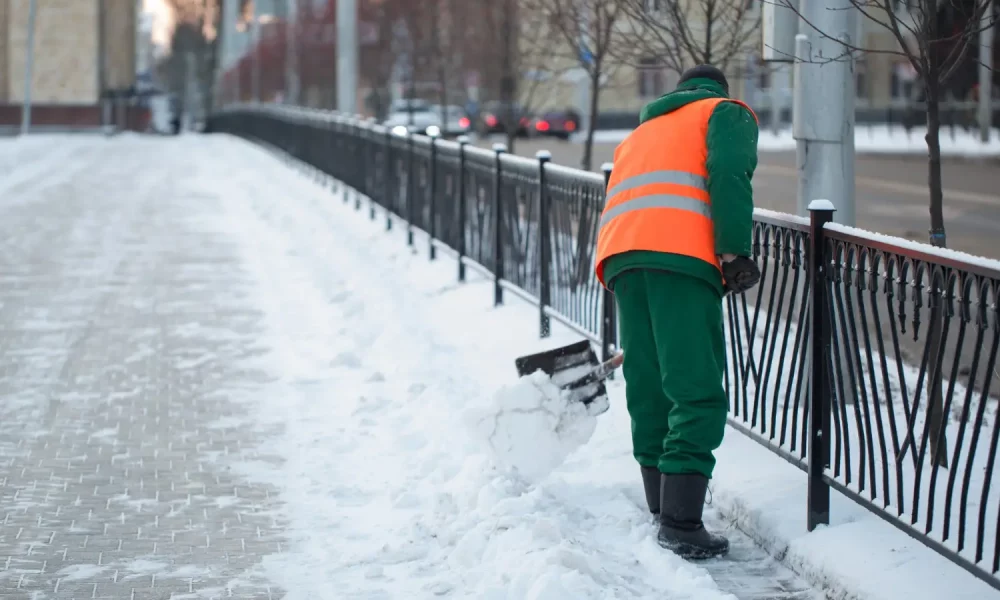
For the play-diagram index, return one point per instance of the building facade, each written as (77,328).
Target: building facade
(83,50)
(884,80)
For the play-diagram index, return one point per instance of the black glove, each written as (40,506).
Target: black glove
(741,274)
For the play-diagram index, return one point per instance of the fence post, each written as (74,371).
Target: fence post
(339,142)
(432,250)
(820,388)
(498,212)
(410,204)
(545,247)
(373,149)
(361,153)
(609,324)
(390,179)
(462,141)
(347,138)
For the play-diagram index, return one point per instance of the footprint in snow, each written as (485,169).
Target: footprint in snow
(346,359)
(377,376)
(339,297)
(413,441)
(368,405)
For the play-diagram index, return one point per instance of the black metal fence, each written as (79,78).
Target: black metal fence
(893,345)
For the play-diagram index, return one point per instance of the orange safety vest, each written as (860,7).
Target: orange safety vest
(657,198)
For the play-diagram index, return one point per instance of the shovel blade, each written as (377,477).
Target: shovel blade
(565,366)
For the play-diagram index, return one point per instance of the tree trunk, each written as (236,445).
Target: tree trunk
(709,19)
(595,97)
(935,397)
(508,87)
(436,25)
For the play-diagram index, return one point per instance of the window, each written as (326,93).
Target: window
(763,76)
(652,80)
(860,80)
(901,81)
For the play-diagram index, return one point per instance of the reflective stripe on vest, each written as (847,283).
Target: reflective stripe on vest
(657,198)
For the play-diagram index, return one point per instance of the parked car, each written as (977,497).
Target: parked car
(491,120)
(559,123)
(414,117)
(404,104)
(456,121)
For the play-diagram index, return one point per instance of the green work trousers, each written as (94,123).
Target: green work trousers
(672,336)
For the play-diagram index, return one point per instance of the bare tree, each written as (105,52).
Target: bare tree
(588,32)
(446,26)
(425,51)
(937,38)
(378,61)
(678,34)
(512,48)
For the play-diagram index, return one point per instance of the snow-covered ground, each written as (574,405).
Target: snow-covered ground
(379,364)
(382,362)
(874,139)
(405,351)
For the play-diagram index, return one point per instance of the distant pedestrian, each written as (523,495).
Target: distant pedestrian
(675,237)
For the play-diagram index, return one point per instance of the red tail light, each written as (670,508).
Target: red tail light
(542,125)
(463,122)
(491,120)
(570,125)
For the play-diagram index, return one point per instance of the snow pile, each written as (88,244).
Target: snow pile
(531,426)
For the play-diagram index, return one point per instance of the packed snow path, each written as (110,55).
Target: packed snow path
(220,381)
(122,332)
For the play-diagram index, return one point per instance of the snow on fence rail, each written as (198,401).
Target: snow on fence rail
(893,344)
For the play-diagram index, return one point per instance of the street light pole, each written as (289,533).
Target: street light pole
(347,56)
(986,42)
(255,55)
(29,61)
(823,113)
(291,53)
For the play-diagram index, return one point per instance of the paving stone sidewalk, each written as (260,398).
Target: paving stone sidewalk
(122,339)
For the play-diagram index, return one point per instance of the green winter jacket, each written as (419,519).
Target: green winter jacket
(732,159)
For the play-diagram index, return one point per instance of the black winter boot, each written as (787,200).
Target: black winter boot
(651,484)
(682,501)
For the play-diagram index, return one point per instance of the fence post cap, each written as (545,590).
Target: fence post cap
(543,155)
(607,167)
(462,139)
(821,204)
(498,147)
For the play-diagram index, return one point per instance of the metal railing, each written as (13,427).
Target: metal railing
(893,344)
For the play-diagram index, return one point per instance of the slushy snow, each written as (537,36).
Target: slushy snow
(531,426)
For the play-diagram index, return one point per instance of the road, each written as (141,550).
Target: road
(891,192)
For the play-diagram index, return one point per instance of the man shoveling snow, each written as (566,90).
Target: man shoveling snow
(675,237)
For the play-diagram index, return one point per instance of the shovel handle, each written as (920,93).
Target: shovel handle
(599,372)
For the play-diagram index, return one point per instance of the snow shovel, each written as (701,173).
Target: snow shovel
(575,368)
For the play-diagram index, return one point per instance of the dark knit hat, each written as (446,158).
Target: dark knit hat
(705,72)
